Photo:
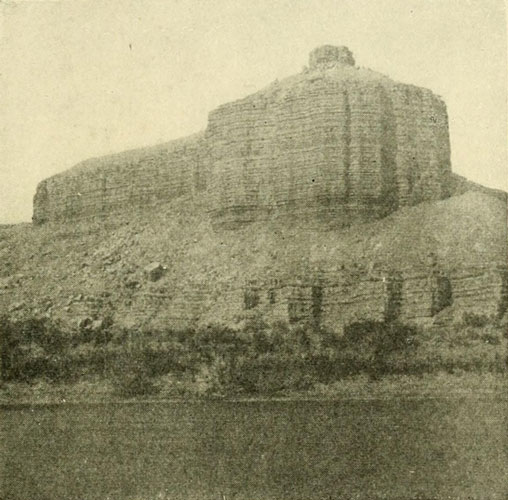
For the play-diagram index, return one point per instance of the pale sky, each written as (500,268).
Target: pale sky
(86,78)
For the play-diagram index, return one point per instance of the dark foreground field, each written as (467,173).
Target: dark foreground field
(393,448)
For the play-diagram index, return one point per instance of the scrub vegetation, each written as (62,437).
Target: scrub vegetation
(258,360)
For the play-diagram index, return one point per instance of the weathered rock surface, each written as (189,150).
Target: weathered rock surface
(102,186)
(292,169)
(416,265)
(336,142)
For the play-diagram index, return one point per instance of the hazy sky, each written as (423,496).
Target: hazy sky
(86,78)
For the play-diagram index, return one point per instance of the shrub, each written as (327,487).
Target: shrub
(268,374)
(258,359)
(376,346)
(475,320)
(130,375)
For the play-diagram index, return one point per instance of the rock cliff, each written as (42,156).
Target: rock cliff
(336,142)
(101,186)
(292,169)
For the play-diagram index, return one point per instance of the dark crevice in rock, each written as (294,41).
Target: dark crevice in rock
(347,150)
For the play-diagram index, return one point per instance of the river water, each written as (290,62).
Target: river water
(395,448)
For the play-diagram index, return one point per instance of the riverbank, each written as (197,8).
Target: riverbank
(42,362)
(436,385)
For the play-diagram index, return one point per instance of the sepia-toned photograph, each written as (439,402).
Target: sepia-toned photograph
(253,250)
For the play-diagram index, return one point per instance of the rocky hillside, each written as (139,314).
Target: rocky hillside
(326,197)
(167,266)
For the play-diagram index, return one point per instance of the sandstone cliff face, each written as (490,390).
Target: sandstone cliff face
(336,142)
(101,186)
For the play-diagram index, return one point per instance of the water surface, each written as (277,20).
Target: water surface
(434,448)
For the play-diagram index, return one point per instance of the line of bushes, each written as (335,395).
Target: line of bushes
(258,359)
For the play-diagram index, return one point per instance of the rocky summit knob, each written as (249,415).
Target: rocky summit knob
(327,55)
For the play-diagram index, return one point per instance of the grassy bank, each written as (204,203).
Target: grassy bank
(43,362)
(434,385)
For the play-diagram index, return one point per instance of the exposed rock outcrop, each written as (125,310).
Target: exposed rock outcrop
(102,186)
(336,142)
(333,146)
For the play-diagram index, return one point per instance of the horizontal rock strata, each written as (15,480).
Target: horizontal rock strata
(336,142)
(328,144)
(331,300)
(99,187)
